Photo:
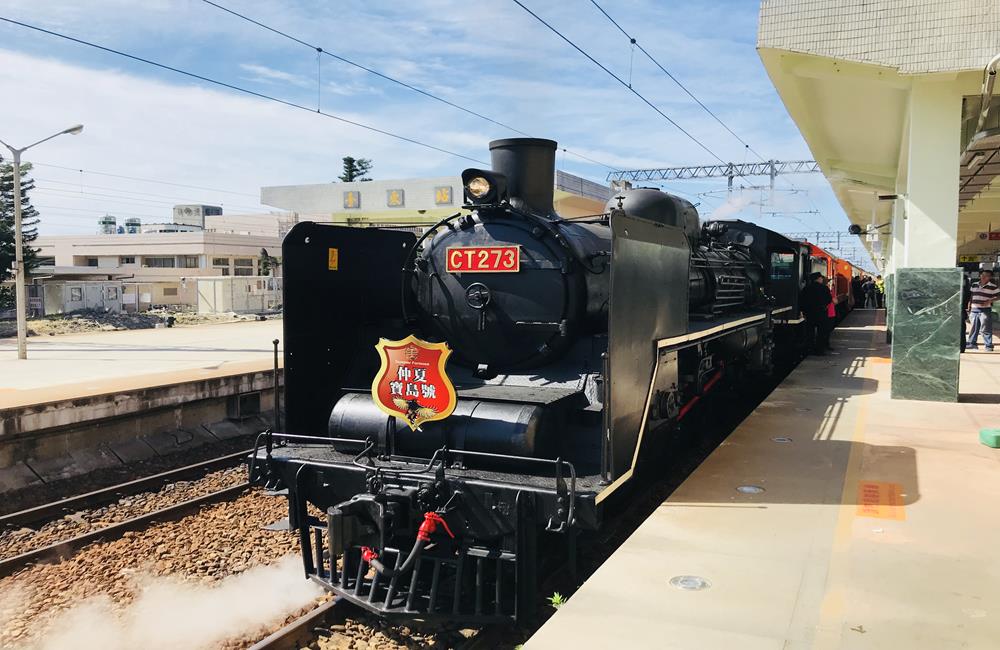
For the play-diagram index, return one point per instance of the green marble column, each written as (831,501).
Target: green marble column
(925,331)
(890,298)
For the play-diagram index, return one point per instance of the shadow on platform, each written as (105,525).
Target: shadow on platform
(806,440)
(979,398)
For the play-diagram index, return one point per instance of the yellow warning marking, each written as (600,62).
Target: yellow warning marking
(881,500)
(333,259)
(880,359)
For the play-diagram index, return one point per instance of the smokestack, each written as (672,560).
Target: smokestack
(529,166)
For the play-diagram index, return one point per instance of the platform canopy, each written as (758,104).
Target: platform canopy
(886,92)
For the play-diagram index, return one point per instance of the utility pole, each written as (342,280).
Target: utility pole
(19,272)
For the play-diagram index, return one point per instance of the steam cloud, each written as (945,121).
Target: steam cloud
(12,601)
(169,613)
(733,205)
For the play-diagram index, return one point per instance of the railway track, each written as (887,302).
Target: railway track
(335,616)
(65,547)
(110,494)
(200,562)
(303,629)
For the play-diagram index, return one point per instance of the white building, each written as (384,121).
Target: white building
(157,268)
(413,201)
(156,256)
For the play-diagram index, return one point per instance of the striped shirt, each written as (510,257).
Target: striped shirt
(983,296)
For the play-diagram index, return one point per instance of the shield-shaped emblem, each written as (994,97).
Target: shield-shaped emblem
(412,383)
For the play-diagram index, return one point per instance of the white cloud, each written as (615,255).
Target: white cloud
(264,74)
(186,134)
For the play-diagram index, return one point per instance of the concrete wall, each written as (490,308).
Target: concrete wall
(65,438)
(140,296)
(238,294)
(68,297)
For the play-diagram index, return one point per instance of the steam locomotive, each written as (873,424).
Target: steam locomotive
(577,347)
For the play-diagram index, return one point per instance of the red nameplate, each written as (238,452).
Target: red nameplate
(484,259)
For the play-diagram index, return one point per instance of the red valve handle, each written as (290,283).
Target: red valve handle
(368,554)
(431,521)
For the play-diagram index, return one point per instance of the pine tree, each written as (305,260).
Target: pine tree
(29,226)
(356,169)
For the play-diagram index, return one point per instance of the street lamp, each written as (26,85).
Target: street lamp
(22,323)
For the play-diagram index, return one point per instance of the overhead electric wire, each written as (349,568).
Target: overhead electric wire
(649,56)
(143,180)
(88,211)
(118,198)
(100,196)
(673,78)
(77,185)
(382,75)
(342,59)
(247,91)
(619,80)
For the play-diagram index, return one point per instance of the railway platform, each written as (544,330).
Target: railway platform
(833,517)
(82,402)
(72,366)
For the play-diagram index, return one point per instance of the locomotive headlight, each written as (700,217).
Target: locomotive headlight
(477,187)
(483,186)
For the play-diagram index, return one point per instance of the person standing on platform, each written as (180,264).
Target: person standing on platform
(984,293)
(966,303)
(813,299)
(831,318)
(879,291)
(857,291)
(869,288)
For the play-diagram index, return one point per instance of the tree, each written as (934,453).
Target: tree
(267,264)
(29,226)
(356,169)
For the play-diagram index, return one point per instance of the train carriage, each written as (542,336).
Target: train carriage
(838,273)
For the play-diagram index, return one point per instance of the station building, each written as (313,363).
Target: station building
(413,202)
(895,100)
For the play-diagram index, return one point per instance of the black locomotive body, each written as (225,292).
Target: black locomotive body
(569,369)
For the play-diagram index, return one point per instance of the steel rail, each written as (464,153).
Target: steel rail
(66,548)
(56,509)
(301,631)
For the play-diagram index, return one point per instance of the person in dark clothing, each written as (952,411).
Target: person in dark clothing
(857,291)
(813,301)
(966,303)
(869,289)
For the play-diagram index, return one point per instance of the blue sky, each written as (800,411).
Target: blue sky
(490,56)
